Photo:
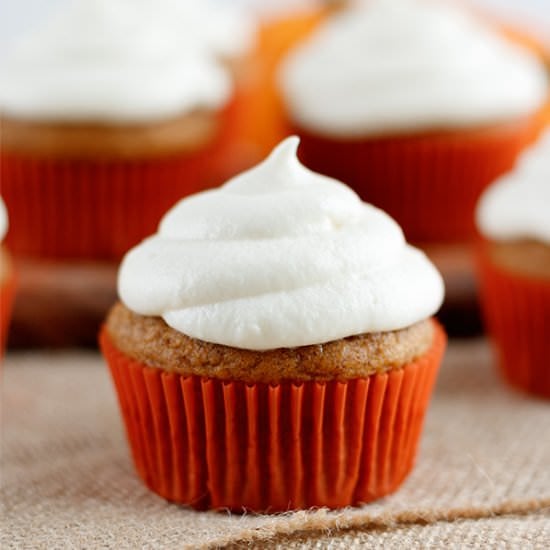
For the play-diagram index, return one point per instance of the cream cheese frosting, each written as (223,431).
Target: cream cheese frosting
(3,220)
(224,29)
(517,205)
(405,65)
(279,256)
(113,61)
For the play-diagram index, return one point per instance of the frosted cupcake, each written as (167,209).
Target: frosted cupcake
(7,280)
(415,104)
(525,22)
(514,268)
(226,30)
(229,33)
(274,346)
(281,25)
(107,120)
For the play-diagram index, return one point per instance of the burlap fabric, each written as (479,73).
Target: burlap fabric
(482,478)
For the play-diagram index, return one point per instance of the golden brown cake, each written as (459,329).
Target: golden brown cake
(151,341)
(526,257)
(185,133)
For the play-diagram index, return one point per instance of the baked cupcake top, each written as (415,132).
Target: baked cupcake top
(279,256)
(517,205)
(407,65)
(111,61)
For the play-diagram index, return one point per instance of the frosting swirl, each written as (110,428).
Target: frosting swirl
(279,256)
(517,205)
(110,60)
(401,65)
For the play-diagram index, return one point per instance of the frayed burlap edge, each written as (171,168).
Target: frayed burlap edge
(307,524)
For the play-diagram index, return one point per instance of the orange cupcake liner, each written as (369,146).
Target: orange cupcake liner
(216,444)
(7,295)
(528,40)
(429,183)
(262,123)
(67,208)
(516,309)
(99,208)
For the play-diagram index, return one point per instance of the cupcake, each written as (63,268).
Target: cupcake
(226,30)
(415,104)
(281,25)
(108,117)
(273,347)
(7,281)
(525,22)
(513,217)
(230,33)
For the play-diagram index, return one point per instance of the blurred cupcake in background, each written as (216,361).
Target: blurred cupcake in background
(7,280)
(525,22)
(281,26)
(225,29)
(249,39)
(108,117)
(274,347)
(539,47)
(417,105)
(513,217)
(229,32)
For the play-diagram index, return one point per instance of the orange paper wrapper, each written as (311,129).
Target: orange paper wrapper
(528,40)
(87,208)
(268,448)
(429,183)
(7,295)
(263,123)
(517,313)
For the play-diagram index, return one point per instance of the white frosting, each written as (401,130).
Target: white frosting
(398,65)
(517,205)
(224,29)
(227,30)
(3,220)
(279,257)
(111,60)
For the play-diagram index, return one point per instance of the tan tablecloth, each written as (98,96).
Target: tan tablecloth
(482,477)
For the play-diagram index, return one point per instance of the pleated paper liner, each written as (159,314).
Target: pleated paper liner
(268,448)
(429,183)
(99,208)
(7,296)
(517,313)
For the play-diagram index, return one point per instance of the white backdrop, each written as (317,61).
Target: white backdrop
(19,16)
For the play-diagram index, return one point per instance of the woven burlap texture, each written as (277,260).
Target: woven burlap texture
(482,477)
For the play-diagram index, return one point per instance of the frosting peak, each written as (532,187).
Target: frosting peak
(517,205)
(277,198)
(279,257)
(399,65)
